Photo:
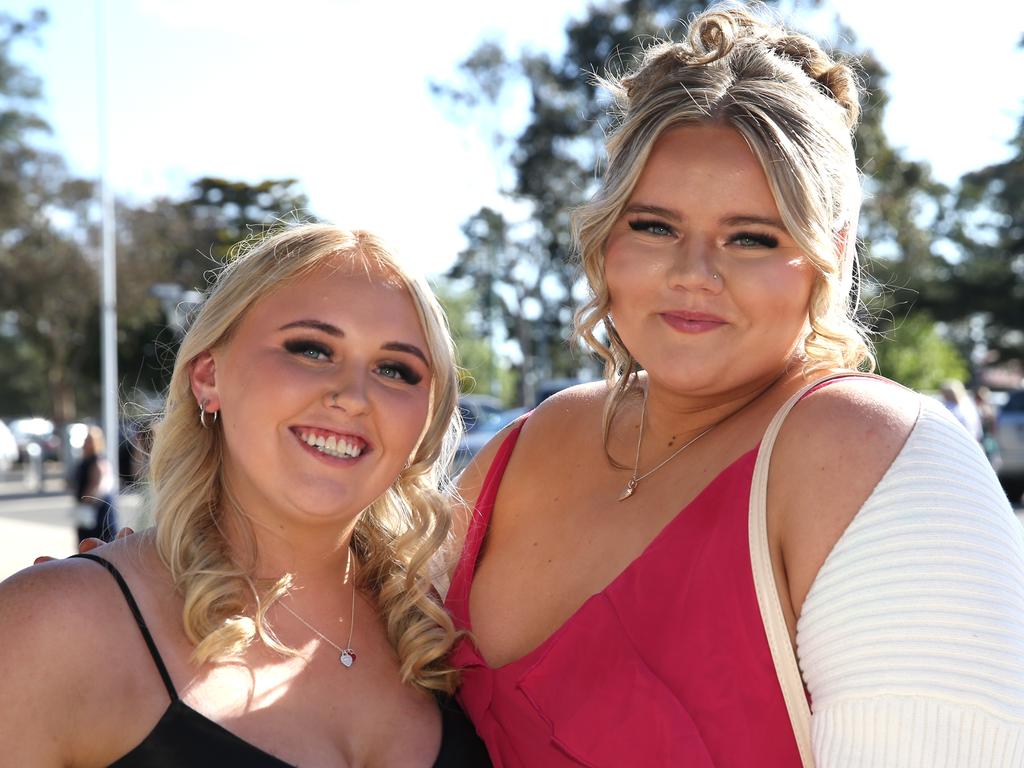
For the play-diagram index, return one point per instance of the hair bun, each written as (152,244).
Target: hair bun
(835,78)
(715,33)
(841,84)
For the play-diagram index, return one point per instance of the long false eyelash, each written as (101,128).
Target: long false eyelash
(762,239)
(300,346)
(409,375)
(646,225)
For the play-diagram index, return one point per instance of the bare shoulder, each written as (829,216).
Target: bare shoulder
(833,449)
(555,422)
(556,419)
(856,417)
(56,634)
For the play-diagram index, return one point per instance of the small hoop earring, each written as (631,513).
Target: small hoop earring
(202,416)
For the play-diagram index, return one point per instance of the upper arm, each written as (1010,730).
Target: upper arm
(832,451)
(554,421)
(911,636)
(47,638)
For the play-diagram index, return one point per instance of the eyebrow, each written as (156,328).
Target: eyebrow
(412,349)
(653,209)
(333,330)
(731,221)
(316,325)
(735,221)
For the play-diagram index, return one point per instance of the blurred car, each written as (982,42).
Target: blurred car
(1009,435)
(8,448)
(39,431)
(483,418)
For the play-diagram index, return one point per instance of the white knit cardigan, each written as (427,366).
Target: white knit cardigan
(911,639)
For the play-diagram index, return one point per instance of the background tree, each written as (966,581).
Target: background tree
(917,356)
(44,272)
(484,371)
(988,279)
(177,243)
(49,281)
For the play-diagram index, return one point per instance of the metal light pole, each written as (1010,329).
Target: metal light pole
(108,263)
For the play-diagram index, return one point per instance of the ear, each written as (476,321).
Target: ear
(202,376)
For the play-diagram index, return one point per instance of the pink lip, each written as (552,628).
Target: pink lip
(692,322)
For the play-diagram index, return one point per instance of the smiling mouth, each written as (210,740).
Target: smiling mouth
(332,443)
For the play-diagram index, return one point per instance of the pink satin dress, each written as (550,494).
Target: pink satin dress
(666,666)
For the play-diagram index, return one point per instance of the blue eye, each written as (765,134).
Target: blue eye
(754,240)
(311,350)
(651,227)
(399,372)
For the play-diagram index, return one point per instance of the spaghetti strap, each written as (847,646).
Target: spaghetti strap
(134,608)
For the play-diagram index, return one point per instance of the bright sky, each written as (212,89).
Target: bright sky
(335,94)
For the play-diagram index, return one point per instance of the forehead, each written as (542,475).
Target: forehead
(711,163)
(371,301)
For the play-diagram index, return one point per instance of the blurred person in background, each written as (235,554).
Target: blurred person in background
(961,405)
(95,513)
(987,414)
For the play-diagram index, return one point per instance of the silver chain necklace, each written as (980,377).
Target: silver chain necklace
(635,480)
(346,655)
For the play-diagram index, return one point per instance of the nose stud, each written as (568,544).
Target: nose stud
(715,276)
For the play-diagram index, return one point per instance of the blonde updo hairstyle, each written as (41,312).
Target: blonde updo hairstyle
(796,107)
(395,537)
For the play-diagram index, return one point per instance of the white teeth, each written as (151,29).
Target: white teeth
(338,447)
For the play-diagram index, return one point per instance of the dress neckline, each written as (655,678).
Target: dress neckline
(466,568)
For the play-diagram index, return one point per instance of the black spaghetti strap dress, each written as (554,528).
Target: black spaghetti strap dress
(184,738)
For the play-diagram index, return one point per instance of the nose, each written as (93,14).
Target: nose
(348,394)
(694,267)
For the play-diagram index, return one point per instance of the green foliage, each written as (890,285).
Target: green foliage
(49,283)
(44,274)
(914,354)
(484,371)
(990,230)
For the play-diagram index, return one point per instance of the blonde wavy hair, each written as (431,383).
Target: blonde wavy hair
(797,108)
(395,537)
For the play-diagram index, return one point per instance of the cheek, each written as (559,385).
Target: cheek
(403,416)
(630,276)
(782,290)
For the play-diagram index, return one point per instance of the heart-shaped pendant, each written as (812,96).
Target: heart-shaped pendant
(347,658)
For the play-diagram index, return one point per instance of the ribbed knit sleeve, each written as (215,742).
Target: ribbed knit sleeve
(911,639)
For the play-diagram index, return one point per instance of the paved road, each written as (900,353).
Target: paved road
(34,524)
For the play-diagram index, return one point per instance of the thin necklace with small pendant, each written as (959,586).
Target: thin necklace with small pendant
(346,655)
(635,480)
